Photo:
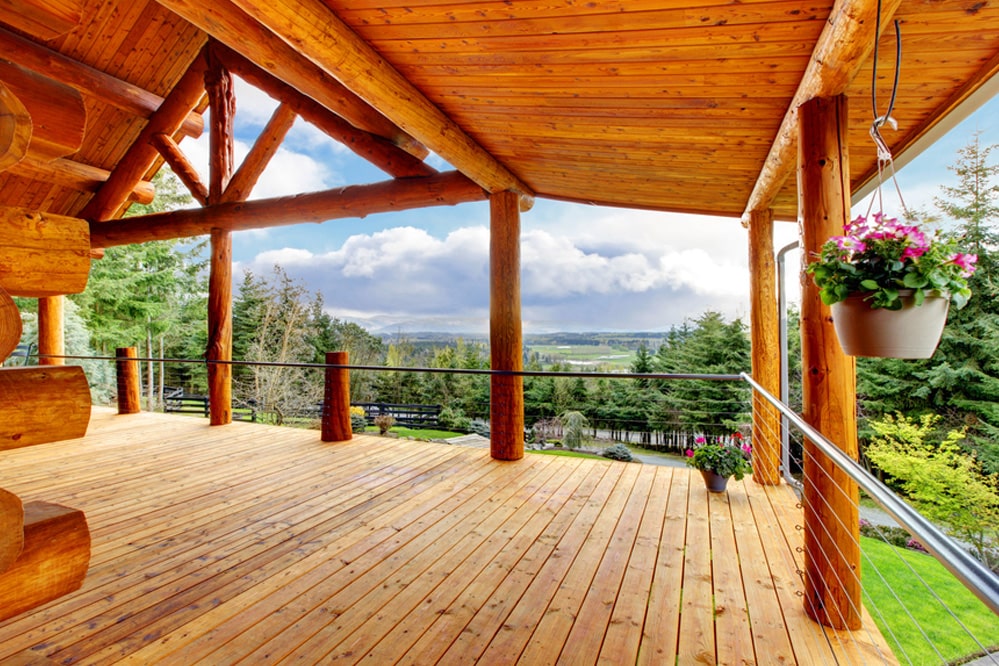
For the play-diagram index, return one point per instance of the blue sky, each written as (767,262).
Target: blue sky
(584,268)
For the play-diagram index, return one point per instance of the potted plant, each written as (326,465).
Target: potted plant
(717,462)
(890,285)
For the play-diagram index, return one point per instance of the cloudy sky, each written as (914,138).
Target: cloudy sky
(584,268)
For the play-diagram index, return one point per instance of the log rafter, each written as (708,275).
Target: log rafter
(77,176)
(843,47)
(87,80)
(384,154)
(142,154)
(231,26)
(175,157)
(443,189)
(241,183)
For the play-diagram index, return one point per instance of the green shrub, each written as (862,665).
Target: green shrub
(454,419)
(618,452)
(357,423)
(384,422)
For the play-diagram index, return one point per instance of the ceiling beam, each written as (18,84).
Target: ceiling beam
(320,36)
(88,80)
(844,45)
(443,189)
(384,154)
(44,19)
(181,166)
(76,176)
(241,33)
(142,154)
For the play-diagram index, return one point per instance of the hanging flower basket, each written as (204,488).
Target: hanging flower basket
(909,332)
(889,286)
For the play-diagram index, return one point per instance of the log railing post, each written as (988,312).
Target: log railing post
(51,338)
(830,500)
(506,402)
(764,335)
(336,400)
(127,370)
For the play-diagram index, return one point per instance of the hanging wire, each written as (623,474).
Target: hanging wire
(886,165)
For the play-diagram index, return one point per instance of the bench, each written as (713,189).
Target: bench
(45,553)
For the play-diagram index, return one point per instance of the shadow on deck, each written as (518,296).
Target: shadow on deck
(262,544)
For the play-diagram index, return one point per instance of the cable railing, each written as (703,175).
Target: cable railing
(905,601)
(888,573)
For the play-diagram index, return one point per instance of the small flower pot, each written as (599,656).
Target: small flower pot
(716,483)
(912,332)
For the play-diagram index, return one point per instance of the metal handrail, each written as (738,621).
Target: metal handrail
(972,573)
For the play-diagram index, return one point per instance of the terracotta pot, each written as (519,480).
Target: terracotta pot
(716,483)
(912,332)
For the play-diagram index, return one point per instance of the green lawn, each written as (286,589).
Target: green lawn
(418,433)
(590,355)
(942,630)
(567,453)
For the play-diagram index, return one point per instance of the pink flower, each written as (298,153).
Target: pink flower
(690,453)
(966,262)
(700,439)
(747,448)
(849,243)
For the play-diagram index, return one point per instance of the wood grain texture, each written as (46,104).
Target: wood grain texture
(15,129)
(127,380)
(76,176)
(51,330)
(506,342)
(445,189)
(829,399)
(42,404)
(764,335)
(45,19)
(43,254)
(11,528)
(11,326)
(53,561)
(58,115)
(336,399)
(257,543)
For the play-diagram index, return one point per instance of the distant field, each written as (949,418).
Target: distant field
(586,356)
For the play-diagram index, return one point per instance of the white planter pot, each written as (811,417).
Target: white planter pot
(912,332)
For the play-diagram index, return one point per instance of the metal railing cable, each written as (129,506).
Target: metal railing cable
(966,568)
(775,436)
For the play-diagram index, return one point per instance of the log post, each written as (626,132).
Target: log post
(506,404)
(764,326)
(219,84)
(832,553)
(336,400)
(127,375)
(51,334)
(11,326)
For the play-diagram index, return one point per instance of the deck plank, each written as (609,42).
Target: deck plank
(256,544)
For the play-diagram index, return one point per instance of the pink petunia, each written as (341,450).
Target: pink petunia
(967,263)
(690,453)
(700,439)
(849,243)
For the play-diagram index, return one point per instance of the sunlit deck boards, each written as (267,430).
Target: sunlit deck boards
(253,544)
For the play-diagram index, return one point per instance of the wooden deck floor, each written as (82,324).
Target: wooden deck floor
(255,544)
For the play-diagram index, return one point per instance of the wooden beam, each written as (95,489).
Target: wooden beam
(181,166)
(445,189)
(43,404)
(319,35)
(53,561)
(841,50)
(42,254)
(142,154)
(11,528)
(384,154)
(242,182)
(51,330)
(506,342)
(127,380)
(11,326)
(222,100)
(15,129)
(58,116)
(832,554)
(764,329)
(88,80)
(233,27)
(44,19)
(77,176)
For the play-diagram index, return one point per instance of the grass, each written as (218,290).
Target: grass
(590,355)
(941,629)
(567,453)
(418,433)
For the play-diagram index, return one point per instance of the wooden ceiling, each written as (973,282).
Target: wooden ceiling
(662,104)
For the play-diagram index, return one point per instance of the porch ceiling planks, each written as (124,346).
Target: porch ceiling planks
(217,544)
(647,103)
